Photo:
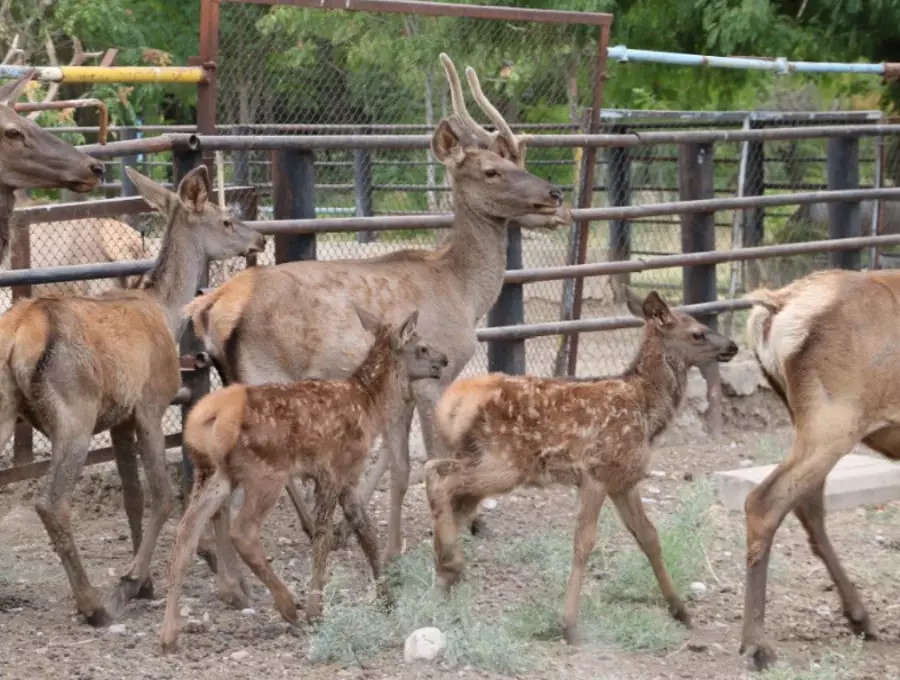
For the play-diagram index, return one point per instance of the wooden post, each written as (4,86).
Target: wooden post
(698,233)
(294,197)
(618,190)
(508,356)
(844,218)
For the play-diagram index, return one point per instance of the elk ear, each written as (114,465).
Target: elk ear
(408,328)
(446,144)
(195,189)
(369,321)
(655,309)
(156,195)
(10,93)
(502,147)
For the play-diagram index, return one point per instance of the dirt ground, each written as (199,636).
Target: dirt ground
(42,637)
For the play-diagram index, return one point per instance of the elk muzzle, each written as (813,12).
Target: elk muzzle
(728,353)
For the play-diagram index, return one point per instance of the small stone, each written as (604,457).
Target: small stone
(880,539)
(489,503)
(649,501)
(239,655)
(249,611)
(824,611)
(205,617)
(659,474)
(688,476)
(654,490)
(282,540)
(746,463)
(292,562)
(111,572)
(698,589)
(727,553)
(424,644)
(697,646)
(185,611)
(116,629)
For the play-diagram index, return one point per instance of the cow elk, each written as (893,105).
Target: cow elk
(296,320)
(33,158)
(504,432)
(833,361)
(256,437)
(75,366)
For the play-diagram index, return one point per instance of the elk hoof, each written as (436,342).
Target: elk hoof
(861,624)
(99,618)
(760,654)
(146,591)
(130,588)
(570,635)
(680,613)
(478,527)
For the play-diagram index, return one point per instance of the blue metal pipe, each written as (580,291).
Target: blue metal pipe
(778,65)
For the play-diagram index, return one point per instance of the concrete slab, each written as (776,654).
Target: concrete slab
(856,480)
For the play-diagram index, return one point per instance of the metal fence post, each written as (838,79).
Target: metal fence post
(130,161)
(618,163)
(362,176)
(294,197)
(195,374)
(696,180)
(508,356)
(844,218)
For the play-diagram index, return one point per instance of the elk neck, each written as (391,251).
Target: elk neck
(376,376)
(7,205)
(176,274)
(477,255)
(662,378)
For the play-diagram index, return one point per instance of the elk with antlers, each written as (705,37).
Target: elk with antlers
(75,366)
(296,320)
(33,158)
(503,432)
(833,361)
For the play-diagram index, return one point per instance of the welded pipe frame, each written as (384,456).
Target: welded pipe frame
(190,75)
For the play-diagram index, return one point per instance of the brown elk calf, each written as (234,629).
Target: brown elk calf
(505,432)
(256,436)
(829,347)
(74,366)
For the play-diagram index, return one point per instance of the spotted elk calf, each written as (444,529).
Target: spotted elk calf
(505,432)
(74,366)
(829,346)
(256,436)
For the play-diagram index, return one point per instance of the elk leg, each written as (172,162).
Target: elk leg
(326,502)
(54,509)
(631,510)
(208,497)
(306,518)
(364,529)
(343,530)
(260,496)
(231,587)
(122,437)
(811,513)
(396,439)
(591,497)
(812,456)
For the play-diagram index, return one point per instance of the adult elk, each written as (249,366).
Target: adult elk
(828,345)
(33,158)
(296,320)
(74,366)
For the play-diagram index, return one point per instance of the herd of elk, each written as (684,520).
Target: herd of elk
(321,358)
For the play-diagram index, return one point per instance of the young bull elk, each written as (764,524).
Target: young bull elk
(828,345)
(296,320)
(33,158)
(256,437)
(75,366)
(504,432)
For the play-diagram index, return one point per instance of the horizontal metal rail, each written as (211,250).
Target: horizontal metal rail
(634,139)
(110,74)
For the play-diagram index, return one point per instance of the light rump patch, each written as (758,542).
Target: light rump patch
(504,432)
(256,437)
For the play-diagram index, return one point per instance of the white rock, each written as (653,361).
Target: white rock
(205,617)
(649,501)
(185,611)
(698,588)
(116,629)
(249,611)
(652,489)
(489,503)
(424,644)
(659,474)
(239,655)
(726,554)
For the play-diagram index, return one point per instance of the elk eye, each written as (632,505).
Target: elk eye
(490,172)
(699,336)
(12,133)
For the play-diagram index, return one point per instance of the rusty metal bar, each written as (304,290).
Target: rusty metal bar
(442,9)
(131,147)
(586,194)
(350,142)
(72,104)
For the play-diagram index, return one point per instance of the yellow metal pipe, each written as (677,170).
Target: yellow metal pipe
(133,74)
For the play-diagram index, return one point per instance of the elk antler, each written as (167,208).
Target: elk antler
(516,143)
(14,54)
(78,58)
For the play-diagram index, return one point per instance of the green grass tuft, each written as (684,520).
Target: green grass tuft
(839,664)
